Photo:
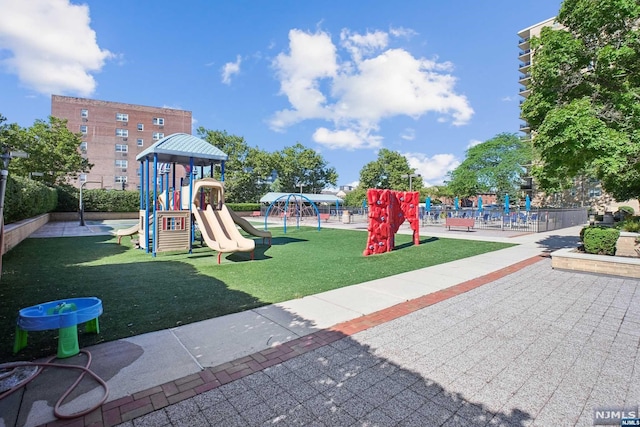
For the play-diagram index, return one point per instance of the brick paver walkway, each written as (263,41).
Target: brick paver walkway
(536,347)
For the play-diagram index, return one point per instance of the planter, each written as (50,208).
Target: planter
(626,244)
(570,259)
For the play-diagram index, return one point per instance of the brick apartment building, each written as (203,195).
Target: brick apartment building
(114,133)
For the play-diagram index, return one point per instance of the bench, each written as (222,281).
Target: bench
(460,222)
(255,213)
(324,217)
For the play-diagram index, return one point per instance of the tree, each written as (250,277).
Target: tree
(52,149)
(387,171)
(248,169)
(298,165)
(495,166)
(583,109)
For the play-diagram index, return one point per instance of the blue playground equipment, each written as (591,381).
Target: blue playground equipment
(298,200)
(64,315)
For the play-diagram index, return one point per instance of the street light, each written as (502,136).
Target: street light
(81,202)
(411,176)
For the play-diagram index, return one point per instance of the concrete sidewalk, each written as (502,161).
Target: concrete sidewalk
(319,356)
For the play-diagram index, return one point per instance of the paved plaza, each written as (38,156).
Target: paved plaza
(537,347)
(498,339)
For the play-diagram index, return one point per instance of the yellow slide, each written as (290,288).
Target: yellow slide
(246,226)
(127,232)
(218,230)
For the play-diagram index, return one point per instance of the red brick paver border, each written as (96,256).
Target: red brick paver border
(147,401)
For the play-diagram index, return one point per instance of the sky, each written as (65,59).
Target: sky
(426,78)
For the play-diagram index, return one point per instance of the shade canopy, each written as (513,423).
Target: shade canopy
(527,203)
(180,148)
(427,204)
(480,203)
(455,203)
(315,198)
(506,203)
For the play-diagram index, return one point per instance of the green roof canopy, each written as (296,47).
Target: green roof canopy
(180,148)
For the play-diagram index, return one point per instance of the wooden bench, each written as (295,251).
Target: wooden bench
(324,217)
(460,222)
(255,213)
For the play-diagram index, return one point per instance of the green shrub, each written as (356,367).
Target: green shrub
(600,240)
(111,200)
(68,198)
(244,207)
(626,211)
(631,224)
(25,198)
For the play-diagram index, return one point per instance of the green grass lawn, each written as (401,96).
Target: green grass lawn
(141,293)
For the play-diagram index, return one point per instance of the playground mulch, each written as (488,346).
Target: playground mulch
(141,293)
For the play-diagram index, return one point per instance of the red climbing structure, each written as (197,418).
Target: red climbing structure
(388,209)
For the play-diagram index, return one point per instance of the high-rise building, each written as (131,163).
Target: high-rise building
(114,133)
(525,55)
(586,191)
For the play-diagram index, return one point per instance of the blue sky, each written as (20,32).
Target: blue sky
(425,78)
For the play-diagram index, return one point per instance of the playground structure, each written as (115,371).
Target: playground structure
(217,226)
(167,207)
(304,208)
(388,209)
(293,206)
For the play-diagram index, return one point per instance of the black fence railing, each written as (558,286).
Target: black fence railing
(493,218)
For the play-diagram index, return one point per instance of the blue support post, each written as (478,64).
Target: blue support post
(155,202)
(193,226)
(146,209)
(141,185)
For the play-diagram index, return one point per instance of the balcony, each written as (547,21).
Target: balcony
(524,92)
(524,77)
(524,65)
(524,52)
(524,127)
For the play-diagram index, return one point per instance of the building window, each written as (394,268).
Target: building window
(158,136)
(82,177)
(121,164)
(84,114)
(122,117)
(122,148)
(595,192)
(121,179)
(140,126)
(140,142)
(122,132)
(83,129)
(83,146)
(158,121)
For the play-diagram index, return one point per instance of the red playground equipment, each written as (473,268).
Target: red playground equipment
(388,209)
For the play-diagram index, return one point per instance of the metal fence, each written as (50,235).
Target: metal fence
(533,221)
(491,218)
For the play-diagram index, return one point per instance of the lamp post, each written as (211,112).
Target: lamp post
(411,176)
(81,203)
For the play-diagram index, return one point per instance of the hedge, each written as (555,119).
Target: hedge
(25,198)
(599,240)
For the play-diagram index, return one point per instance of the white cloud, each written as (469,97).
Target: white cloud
(433,169)
(473,143)
(406,33)
(349,139)
(230,69)
(356,91)
(52,46)
(409,134)
(507,99)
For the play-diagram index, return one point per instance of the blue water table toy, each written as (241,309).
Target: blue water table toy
(64,315)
